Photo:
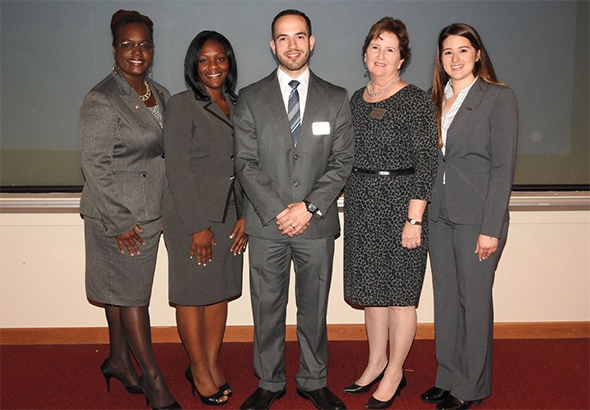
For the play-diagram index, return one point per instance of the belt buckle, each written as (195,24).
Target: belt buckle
(383,173)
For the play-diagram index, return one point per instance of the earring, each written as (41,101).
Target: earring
(150,73)
(115,69)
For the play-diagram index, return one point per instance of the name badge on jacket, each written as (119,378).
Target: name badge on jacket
(320,128)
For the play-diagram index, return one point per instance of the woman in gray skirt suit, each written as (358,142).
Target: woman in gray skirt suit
(203,227)
(123,165)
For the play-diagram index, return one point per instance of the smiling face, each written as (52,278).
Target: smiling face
(133,63)
(383,57)
(213,66)
(292,44)
(458,58)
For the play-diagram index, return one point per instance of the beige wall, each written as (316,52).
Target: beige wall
(544,274)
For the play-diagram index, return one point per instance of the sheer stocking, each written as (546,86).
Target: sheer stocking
(136,328)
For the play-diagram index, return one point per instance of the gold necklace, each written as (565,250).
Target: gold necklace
(387,87)
(148,92)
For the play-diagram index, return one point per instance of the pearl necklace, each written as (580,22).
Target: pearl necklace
(387,87)
(148,92)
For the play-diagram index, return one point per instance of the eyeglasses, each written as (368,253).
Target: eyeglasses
(128,45)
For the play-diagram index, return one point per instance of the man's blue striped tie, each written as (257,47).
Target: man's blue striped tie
(293,111)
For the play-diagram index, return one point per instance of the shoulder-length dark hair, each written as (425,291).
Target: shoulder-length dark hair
(191,62)
(483,69)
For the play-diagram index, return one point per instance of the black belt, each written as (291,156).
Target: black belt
(384,173)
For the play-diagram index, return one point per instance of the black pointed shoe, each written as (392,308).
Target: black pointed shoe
(434,395)
(356,389)
(374,403)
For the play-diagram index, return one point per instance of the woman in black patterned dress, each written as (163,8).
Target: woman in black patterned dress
(385,230)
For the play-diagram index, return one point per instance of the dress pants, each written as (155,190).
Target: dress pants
(270,262)
(463,307)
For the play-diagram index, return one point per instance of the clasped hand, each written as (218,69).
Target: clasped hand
(294,220)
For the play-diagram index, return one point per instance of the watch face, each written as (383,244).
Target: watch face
(311,207)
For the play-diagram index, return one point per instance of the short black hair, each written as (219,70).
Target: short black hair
(191,62)
(290,12)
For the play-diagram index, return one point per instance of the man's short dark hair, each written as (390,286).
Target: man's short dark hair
(290,12)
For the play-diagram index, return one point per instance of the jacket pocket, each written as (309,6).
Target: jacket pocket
(133,187)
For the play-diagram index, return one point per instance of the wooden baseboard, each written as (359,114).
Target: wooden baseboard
(99,335)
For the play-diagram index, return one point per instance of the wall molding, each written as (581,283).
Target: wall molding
(99,335)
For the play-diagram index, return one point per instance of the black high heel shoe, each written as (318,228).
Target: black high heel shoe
(373,403)
(172,406)
(212,400)
(356,389)
(108,371)
(226,388)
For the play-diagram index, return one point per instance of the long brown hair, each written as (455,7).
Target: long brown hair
(483,68)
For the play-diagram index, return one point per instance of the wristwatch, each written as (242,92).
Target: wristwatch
(414,221)
(311,208)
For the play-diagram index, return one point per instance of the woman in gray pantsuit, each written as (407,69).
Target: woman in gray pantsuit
(478,123)
(203,227)
(122,161)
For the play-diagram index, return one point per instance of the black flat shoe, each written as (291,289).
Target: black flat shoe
(226,389)
(356,389)
(108,371)
(262,399)
(323,399)
(373,403)
(434,395)
(212,400)
(453,403)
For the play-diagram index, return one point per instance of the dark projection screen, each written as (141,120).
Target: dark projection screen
(53,52)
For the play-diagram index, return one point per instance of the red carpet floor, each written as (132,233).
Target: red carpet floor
(528,374)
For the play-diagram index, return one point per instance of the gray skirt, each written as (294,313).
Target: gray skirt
(116,278)
(198,285)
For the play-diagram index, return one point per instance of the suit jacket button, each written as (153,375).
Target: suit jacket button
(144,175)
(296,184)
(163,156)
(232,157)
(295,156)
(232,177)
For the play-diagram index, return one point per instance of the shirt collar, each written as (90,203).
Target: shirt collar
(449,88)
(284,78)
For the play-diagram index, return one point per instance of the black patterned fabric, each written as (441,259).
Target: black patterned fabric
(378,271)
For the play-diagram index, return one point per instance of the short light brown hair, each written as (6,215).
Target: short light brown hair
(393,26)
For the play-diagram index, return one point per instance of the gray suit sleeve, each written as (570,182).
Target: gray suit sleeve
(98,129)
(504,136)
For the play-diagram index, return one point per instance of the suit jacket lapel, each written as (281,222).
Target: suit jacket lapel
(312,106)
(463,116)
(135,105)
(277,105)
(214,109)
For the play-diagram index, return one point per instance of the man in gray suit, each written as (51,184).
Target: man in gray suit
(294,145)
